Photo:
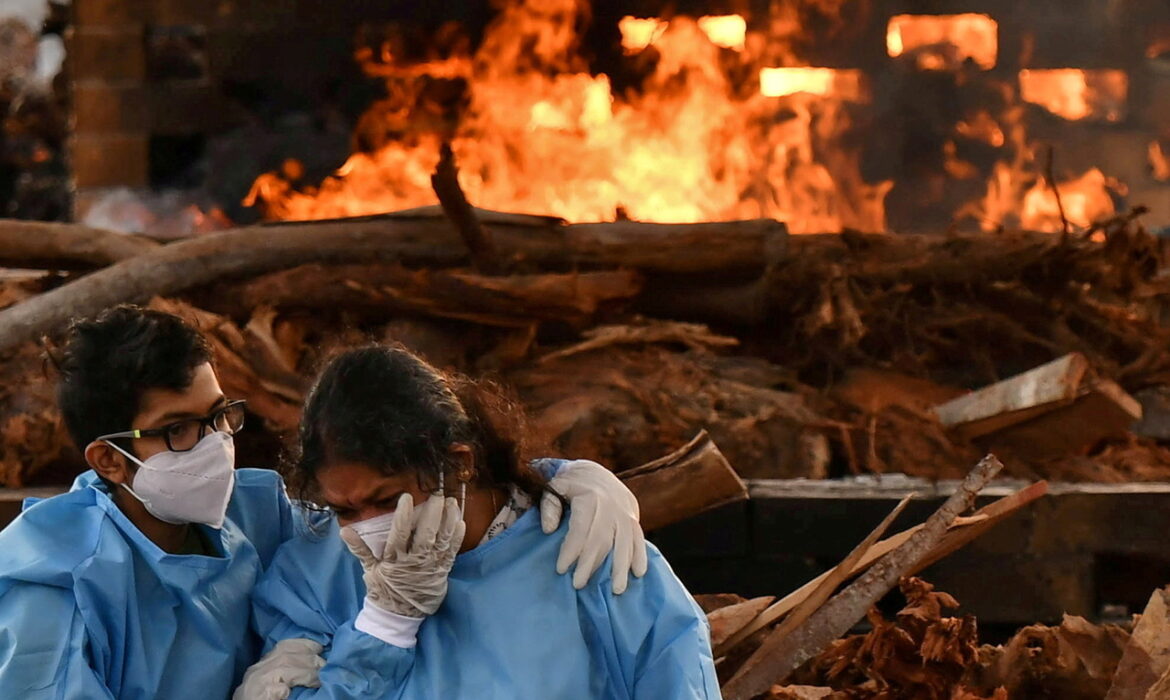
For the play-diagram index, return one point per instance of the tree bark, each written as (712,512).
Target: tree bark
(53,246)
(684,483)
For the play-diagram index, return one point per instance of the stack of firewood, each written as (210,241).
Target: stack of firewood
(802,356)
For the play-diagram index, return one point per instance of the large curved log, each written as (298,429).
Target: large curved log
(54,246)
(735,247)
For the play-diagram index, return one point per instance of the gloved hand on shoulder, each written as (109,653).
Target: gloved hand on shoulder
(603,515)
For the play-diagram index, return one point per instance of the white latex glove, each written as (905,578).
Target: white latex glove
(409,577)
(291,662)
(603,515)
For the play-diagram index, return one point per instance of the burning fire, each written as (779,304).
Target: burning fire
(1077,94)
(541,135)
(944,42)
(728,31)
(638,33)
(699,140)
(825,82)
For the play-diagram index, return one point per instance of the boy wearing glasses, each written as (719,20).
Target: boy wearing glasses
(137,583)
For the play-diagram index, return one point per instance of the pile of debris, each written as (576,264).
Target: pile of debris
(793,648)
(807,356)
(804,356)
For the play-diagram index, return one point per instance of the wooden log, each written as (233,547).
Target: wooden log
(837,576)
(390,289)
(258,249)
(445,182)
(694,478)
(773,662)
(728,620)
(54,246)
(1016,399)
(963,531)
(1056,409)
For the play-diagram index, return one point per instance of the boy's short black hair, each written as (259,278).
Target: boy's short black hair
(105,364)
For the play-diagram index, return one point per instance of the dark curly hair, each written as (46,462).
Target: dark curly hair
(105,364)
(385,407)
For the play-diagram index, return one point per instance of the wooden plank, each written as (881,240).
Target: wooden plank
(780,656)
(1102,410)
(837,575)
(963,531)
(1017,399)
(688,481)
(727,621)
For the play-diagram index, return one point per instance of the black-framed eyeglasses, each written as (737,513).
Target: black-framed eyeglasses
(183,435)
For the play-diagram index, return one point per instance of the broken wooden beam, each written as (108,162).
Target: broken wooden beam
(684,483)
(773,662)
(1055,409)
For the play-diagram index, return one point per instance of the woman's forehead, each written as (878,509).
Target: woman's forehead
(354,482)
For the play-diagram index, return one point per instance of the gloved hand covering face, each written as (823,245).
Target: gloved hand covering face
(603,515)
(292,662)
(409,576)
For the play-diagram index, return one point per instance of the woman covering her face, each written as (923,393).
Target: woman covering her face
(434,579)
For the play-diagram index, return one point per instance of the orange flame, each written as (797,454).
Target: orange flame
(825,82)
(1077,94)
(638,33)
(727,31)
(542,135)
(944,42)
(1159,163)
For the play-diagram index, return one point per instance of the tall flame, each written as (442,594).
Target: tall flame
(542,135)
(727,124)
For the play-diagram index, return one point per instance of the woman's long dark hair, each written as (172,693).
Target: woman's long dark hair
(385,407)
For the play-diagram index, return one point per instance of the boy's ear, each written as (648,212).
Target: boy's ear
(109,464)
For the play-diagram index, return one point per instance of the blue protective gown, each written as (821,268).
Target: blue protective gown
(90,608)
(510,626)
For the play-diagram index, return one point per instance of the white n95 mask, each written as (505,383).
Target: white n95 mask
(187,487)
(375,531)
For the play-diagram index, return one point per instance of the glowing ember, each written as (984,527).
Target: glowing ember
(727,31)
(1077,94)
(1012,202)
(638,33)
(1159,163)
(1085,200)
(824,82)
(944,42)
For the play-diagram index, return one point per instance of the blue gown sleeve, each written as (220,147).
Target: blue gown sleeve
(287,606)
(359,667)
(661,637)
(43,647)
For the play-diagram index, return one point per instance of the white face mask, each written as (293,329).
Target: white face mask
(187,487)
(376,530)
